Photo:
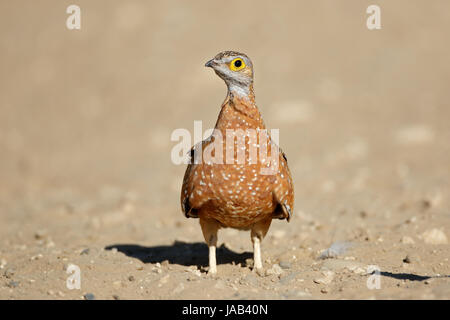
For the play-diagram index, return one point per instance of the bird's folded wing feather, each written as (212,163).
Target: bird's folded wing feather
(189,202)
(283,190)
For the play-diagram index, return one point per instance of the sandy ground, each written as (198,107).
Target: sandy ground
(86,176)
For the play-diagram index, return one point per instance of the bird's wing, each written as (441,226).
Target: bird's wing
(283,190)
(185,192)
(194,194)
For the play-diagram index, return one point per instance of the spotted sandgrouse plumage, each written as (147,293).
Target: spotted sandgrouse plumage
(237,194)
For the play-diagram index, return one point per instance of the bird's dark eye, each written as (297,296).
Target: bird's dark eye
(237,64)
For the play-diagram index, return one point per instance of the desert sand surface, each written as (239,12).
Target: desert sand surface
(86,176)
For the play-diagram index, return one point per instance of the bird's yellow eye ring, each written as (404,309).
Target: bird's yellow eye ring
(237,64)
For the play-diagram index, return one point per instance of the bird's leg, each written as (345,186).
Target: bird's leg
(209,229)
(258,233)
(257,263)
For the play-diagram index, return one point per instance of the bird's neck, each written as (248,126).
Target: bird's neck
(239,109)
(242,92)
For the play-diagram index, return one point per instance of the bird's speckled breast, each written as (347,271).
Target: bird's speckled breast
(237,194)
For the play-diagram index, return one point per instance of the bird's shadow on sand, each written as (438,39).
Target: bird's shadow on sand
(182,253)
(410,276)
(404,276)
(187,254)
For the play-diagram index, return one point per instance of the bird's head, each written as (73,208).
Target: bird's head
(235,68)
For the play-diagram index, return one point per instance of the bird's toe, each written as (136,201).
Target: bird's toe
(259,271)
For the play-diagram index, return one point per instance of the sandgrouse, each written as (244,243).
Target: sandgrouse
(231,187)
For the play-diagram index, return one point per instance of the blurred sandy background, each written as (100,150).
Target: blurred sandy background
(85,124)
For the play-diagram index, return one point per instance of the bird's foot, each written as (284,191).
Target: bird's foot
(212,270)
(259,271)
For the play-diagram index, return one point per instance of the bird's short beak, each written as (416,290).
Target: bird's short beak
(211,63)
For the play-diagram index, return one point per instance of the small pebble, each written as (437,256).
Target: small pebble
(425,204)
(275,270)
(13,284)
(335,250)
(407,240)
(194,271)
(303,294)
(192,278)
(359,270)
(89,296)
(116,297)
(327,279)
(36,257)
(407,259)
(9,273)
(157,270)
(49,244)
(249,262)
(288,278)
(434,236)
(411,220)
(41,234)
(285,264)
(165,263)
(131,278)
(85,252)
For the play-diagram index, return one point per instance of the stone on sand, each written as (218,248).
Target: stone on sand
(275,270)
(327,279)
(407,240)
(434,236)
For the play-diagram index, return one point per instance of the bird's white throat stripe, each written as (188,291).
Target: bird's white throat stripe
(239,91)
